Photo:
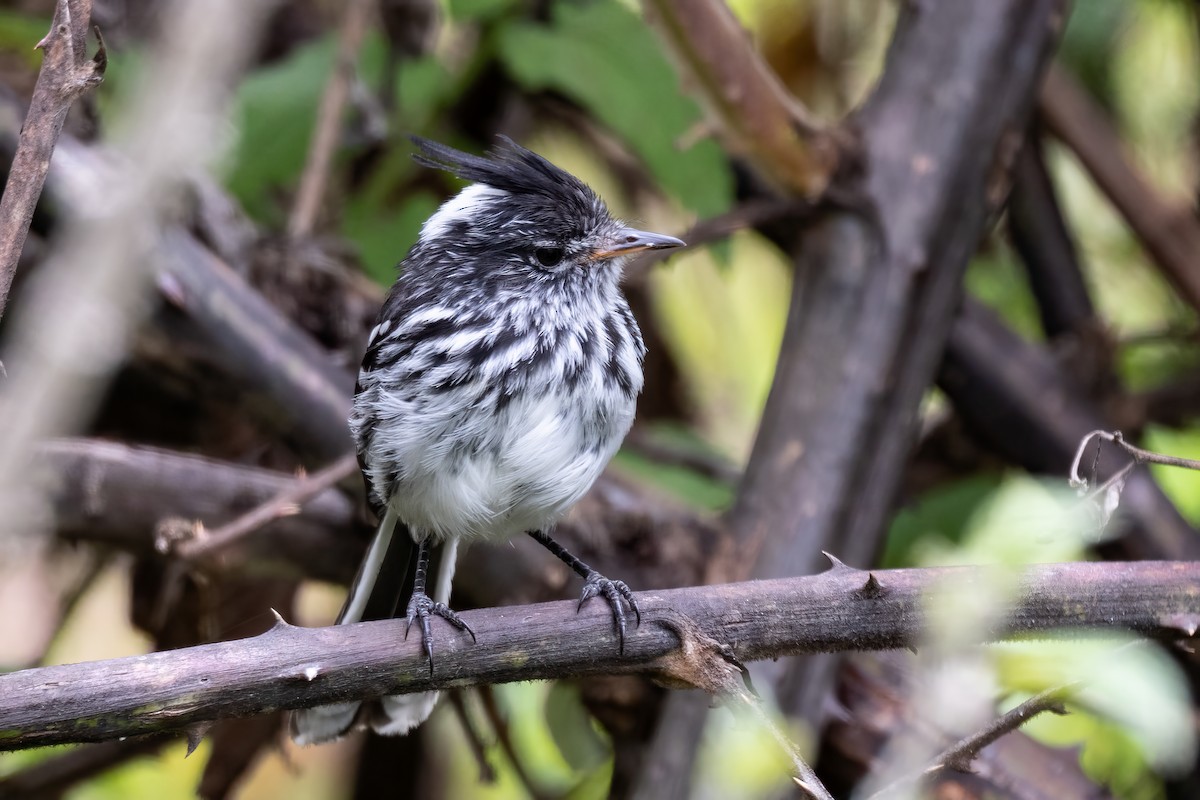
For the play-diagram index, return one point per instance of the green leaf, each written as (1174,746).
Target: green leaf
(477,10)
(695,489)
(275,110)
(602,55)
(20,32)
(942,512)
(383,234)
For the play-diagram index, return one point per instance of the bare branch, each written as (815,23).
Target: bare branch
(752,111)
(329,120)
(291,667)
(116,495)
(882,278)
(1019,403)
(960,754)
(1168,230)
(284,504)
(65,73)
(1138,455)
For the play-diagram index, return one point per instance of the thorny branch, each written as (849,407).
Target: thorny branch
(65,73)
(843,608)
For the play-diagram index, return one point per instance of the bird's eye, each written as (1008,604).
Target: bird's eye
(548,256)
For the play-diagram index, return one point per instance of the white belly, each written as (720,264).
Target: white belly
(484,475)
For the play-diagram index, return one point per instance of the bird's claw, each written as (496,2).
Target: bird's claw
(618,595)
(422,607)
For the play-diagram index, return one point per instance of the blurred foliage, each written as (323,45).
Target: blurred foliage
(18,30)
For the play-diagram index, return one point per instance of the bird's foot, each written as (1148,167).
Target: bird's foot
(619,598)
(422,607)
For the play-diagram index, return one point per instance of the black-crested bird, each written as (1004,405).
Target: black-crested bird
(499,381)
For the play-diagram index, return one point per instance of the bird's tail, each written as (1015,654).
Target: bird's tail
(381,591)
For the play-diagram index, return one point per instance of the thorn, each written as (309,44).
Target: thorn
(101,57)
(872,589)
(306,672)
(835,563)
(280,622)
(1187,624)
(195,735)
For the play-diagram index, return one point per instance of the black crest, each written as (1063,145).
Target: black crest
(514,169)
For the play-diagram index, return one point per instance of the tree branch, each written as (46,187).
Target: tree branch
(1138,455)
(294,384)
(841,609)
(881,279)
(1169,232)
(65,73)
(117,495)
(1016,400)
(286,503)
(1041,237)
(752,111)
(329,120)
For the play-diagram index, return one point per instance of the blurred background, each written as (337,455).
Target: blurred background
(589,85)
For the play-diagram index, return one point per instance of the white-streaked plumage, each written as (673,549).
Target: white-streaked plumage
(500,380)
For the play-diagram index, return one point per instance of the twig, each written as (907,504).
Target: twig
(1018,402)
(752,111)
(959,755)
(805,778)
(1169,231)
(286,503)
(116,495)
(706,663)
(329,120)
(64,75)
(844,608)
(1138,455)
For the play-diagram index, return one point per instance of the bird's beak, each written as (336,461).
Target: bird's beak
(629,240)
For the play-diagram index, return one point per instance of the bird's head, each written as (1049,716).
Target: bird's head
(523,218)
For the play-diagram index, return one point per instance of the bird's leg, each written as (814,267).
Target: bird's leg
(594,584)
(421,606)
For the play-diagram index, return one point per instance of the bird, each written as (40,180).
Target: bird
(499,380)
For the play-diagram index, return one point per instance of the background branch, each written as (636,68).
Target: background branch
(1169,232)
(747,105)
(65,73)
(329,120)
